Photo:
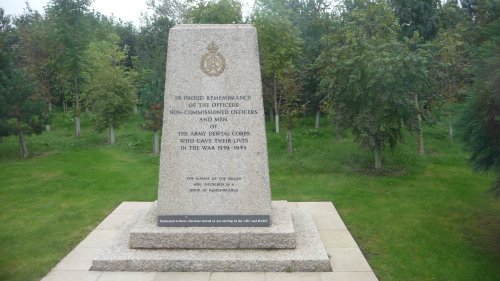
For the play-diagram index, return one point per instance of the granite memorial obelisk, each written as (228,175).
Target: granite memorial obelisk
(213,168)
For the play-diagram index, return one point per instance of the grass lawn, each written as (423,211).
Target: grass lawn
(422,218)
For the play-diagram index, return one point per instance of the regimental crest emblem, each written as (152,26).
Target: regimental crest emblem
(213,63)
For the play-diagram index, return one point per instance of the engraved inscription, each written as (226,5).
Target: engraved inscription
(213,63)
(213,113)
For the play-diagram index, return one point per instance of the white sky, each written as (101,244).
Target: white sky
(127,10)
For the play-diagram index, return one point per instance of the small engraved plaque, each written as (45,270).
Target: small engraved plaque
(213,63)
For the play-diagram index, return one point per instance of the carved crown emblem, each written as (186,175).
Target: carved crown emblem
(213,63)
(212,48)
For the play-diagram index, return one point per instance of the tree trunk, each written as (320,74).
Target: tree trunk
(271,114)
(156,142)
(401,137)
(276,109)
(378,155)
(420,132)
(421,150)
(135,109)
(23,149)
(65,106)
(77,111)
(277,122)
(338,132)
(111,135)
(289,133)
(77,126)
(316,124)
(450,127)
(47,126)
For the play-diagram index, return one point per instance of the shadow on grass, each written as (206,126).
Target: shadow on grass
(483,233)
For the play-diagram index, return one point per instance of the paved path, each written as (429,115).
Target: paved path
(347,261)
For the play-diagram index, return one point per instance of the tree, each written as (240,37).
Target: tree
(425,76)
(128,37)
(417,16)
(349,5)
(20,111)
(481,11)
(220,12)
(154,119)
(311,17)
(32,55)
(152,51)
(289,83)
(371,77)
(419,21)
(109,87)
(70,38)
(451,15)
(485,19)
(463,29)
(279,43)
(174,10)
(479,124)
(452,59)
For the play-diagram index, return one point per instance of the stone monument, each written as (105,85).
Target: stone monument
(214,210)
(214,149)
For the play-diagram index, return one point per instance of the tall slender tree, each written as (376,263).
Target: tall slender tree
(419,20)
(109,86)
(70,37)
(152,54)
(32,55)
(279,43)
(20,110)
(313,20)
(479,125)
(290,87)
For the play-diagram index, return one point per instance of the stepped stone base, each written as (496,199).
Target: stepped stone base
(145,234)
(309,254)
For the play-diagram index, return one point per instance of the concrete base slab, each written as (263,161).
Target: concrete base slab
(309,254)
(335,236)
(296,276)
(145,234)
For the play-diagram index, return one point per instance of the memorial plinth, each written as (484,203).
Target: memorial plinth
(214,209)
(280,235)
(309,255)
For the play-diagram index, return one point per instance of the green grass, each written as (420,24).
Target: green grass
(422,218)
